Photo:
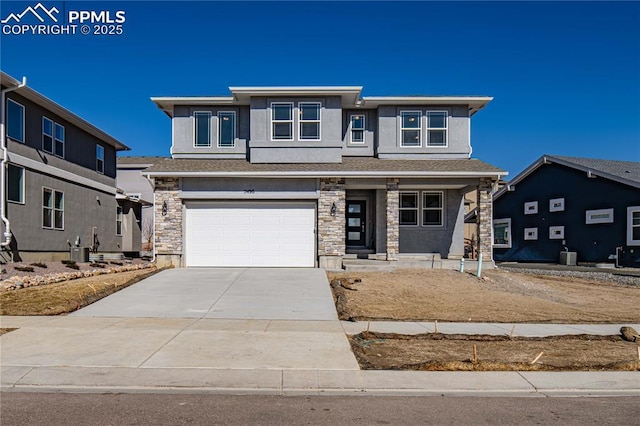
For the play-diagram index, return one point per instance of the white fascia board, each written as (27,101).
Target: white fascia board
(475,102)
(295,90)
(523,174)
(321,174)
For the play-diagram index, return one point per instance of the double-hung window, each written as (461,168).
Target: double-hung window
(432,208)
(309,120)
(282,121)
(202,137)
(409,208)
(226,129)
(357,128)
(118,220)
(633,226)
(52,137)
(15,120)
(437,128)
(15,184)
(58,145)
(411,129)
(52,209)
(100,158)
(502,233)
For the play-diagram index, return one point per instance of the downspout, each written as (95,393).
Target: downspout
(4,161)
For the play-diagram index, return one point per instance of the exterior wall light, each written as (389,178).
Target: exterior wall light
(164,208)
(334,209)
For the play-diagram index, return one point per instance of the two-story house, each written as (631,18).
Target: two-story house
(306,176)
(58,179)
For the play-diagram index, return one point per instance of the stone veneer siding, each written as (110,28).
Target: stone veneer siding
(393,219)
(485,220)
(168,229)
(331,229)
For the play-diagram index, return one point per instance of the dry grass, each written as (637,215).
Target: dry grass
(67,296)
(437,352)
(446,295)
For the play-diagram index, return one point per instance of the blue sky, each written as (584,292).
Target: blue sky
(565,76)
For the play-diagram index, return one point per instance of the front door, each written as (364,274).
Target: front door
(356,220)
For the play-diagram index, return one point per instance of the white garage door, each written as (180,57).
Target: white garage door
(250,234)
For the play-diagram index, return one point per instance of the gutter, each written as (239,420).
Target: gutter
(3,162)
(321,174)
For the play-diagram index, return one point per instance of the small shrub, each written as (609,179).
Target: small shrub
(116,263)
(68,262)
(96,265)
(72,266)
(39,264)
(23,268)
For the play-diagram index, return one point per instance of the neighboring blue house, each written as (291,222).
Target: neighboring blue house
(582,205)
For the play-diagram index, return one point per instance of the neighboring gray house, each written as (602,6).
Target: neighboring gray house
(58,179)
(308,176)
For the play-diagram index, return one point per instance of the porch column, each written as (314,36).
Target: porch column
(393,219)
(331,223)
(167,231)
(485,220)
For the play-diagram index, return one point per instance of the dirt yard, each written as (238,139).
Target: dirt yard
(501,296)
(67,296)
(439,352)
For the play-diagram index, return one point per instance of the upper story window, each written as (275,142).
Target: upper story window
(52,137)
(15,184)
(52,209)
(357,128)
(309,120)
(100,158)
(59,140)
(437,128)
(282,121)
(226,129)
(15,120)
(202,138)
(411,128)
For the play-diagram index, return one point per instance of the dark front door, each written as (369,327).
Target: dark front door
(356,220)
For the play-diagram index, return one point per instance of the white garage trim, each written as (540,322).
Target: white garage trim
(250,234)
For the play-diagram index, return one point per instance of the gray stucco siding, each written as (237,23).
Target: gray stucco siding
(184,133)
(79,146)
(249,188)
(370,123)
(83,208)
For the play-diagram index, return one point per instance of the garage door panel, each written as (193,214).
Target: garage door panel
(250,234)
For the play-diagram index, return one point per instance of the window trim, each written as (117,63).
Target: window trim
(589,220)
(352,129)
(233,138)
(119,219)
(531,207)
(556,232)
(55,139)
(99,159)
(446,129)
(630,240)
(45,118)
(509,242)
(272,121)
(53,209)
(23,192)
(559,208)
(441,208)
(195,128)
(6,130)
(533,232)
(416,208)
(301,121)
(419,128)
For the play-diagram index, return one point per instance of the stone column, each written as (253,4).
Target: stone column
(331,227)
(393,219)
(485,220)
(168,222)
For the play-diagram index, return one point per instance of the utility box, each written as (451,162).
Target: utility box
(568,258)
(80,254)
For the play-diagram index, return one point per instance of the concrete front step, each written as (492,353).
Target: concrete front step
(369,265)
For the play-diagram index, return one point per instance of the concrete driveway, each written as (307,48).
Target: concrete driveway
(225,293)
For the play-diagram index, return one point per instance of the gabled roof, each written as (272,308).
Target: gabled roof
(62,112)
(625,172)
(350,167)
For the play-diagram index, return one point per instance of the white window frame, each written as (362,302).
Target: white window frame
(56,139)
(530,234)
(441,208)
(352,129)
(445,128)
(99,148)
(593,217)
(7,122)
(531,207)
(53,130)
(630,211)
(52,210)
(273,121)
(233,137)
(556,205)
(509,233)
(195,129)
(23,186)
(119,217)
(556,232)
(419,128)
(301,121)
(416,208)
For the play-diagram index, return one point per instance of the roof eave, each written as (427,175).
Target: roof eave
(321,174)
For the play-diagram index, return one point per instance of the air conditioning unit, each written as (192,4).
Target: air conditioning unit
(569,258)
